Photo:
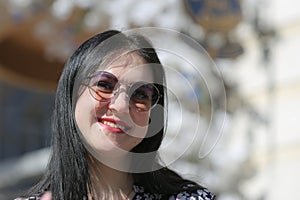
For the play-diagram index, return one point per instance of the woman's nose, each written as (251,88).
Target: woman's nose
(119,102)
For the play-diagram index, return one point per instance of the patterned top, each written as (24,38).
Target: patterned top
(141,194)
(200,194)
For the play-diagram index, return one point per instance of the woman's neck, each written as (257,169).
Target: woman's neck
(105,178)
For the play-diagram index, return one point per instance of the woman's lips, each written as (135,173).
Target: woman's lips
(113,125)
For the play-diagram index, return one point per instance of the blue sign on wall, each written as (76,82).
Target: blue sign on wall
(215,15)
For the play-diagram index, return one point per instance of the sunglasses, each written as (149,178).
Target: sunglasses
(143,96)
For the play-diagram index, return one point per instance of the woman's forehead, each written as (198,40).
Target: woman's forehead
(132,73)
(130,67)
(130,59)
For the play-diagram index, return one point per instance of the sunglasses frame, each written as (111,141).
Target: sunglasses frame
(116,90)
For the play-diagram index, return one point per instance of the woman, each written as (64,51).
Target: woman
(108,124)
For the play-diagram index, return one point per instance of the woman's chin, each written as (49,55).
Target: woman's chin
(109,151)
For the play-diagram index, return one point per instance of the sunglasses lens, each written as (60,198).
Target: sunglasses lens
(143,96)
(103,85)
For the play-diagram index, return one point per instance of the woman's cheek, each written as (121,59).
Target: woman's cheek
(141,123)
(140,119)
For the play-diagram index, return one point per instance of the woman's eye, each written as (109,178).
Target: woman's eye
(140,95)
(104,86)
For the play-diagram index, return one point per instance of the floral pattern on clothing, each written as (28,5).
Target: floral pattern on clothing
(140,194)
(200,194)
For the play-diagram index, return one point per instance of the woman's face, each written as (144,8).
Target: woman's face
(115,126)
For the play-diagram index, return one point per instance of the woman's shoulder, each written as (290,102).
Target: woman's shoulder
(186,194)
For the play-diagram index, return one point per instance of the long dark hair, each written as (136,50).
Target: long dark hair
(67,175)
